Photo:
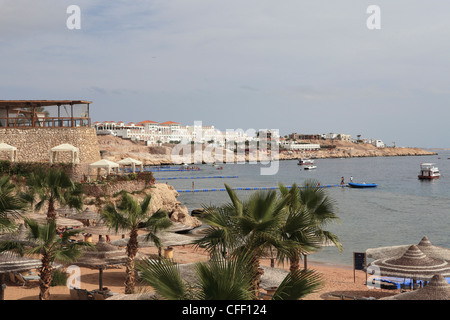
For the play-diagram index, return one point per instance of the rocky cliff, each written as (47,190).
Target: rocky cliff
(164,197)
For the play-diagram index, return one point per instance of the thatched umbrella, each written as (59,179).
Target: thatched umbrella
(101,256)
(66,211)
(179,227)
(21,235)
(101,229)
(424,245)
(167,238)
(10,262)
(414,264)
(85,217)
(437,289)
(60,221)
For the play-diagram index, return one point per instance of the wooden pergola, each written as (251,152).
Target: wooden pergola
(26,113)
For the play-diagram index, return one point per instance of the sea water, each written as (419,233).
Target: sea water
(400,210)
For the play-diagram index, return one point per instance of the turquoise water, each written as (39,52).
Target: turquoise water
(401,210)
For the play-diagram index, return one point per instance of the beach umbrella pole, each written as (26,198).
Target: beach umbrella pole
(2,286)
(100,278)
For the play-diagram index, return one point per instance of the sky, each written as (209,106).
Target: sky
(292,65)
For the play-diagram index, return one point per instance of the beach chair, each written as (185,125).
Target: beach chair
(100,296)
(25,279)
(84,294)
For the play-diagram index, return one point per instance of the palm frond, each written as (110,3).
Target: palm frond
(163,276)
(298,284)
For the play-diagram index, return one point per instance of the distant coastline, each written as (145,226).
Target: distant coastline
(115,149)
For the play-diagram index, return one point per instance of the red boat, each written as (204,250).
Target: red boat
(428,171)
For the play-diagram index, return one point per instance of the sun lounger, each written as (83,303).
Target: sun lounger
(84,294)
(25,279)
(81,294)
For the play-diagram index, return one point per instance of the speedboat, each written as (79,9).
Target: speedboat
(361,185)
(309,167)
(305,161)
(428,171)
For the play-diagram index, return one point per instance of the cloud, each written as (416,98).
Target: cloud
(199,57)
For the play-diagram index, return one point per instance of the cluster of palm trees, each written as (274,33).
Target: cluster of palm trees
(54,188)
(284,225)
(239,234)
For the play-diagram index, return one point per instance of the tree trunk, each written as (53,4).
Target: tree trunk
(45,273)
(132,248)
(295,263)
(256,279)
(51,213)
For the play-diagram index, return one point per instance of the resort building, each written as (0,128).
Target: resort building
(153,132)
(36,128)
(291,145)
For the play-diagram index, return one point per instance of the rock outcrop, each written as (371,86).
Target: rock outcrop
(164,197)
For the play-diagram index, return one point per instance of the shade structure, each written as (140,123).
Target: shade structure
(60,221)
(103,164)
(413,264)
(437,289)
(21,235)
(101,229)
(66,211)
(166,238)
(424,245)
(11,150)
(65,147)
(101,256)
(86,217)
(133,163)
(433,251)
(10,262)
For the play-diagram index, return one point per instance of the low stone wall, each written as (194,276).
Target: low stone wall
(34,144)
(111,188)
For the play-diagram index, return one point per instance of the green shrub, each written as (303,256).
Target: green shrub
(59,278)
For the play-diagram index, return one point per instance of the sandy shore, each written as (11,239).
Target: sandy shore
(338,280)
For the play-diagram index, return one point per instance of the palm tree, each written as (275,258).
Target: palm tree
(217,279)
(251,226)
(10,203)
(220,279)
(50,246)
(310,210)
(53,187)
(130,215)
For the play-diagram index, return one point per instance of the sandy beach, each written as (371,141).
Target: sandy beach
(338,280)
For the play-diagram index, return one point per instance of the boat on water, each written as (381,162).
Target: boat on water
(305,161)
(362,185)
(309,167)
(428,171)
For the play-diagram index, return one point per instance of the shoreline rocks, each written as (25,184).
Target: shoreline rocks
(115,149)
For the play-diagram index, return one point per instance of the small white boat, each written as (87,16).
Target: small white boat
(305,161)
(310,167)
(428,171)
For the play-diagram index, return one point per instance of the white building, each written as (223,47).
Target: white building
(153,132)
(290,145)
(378,143)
